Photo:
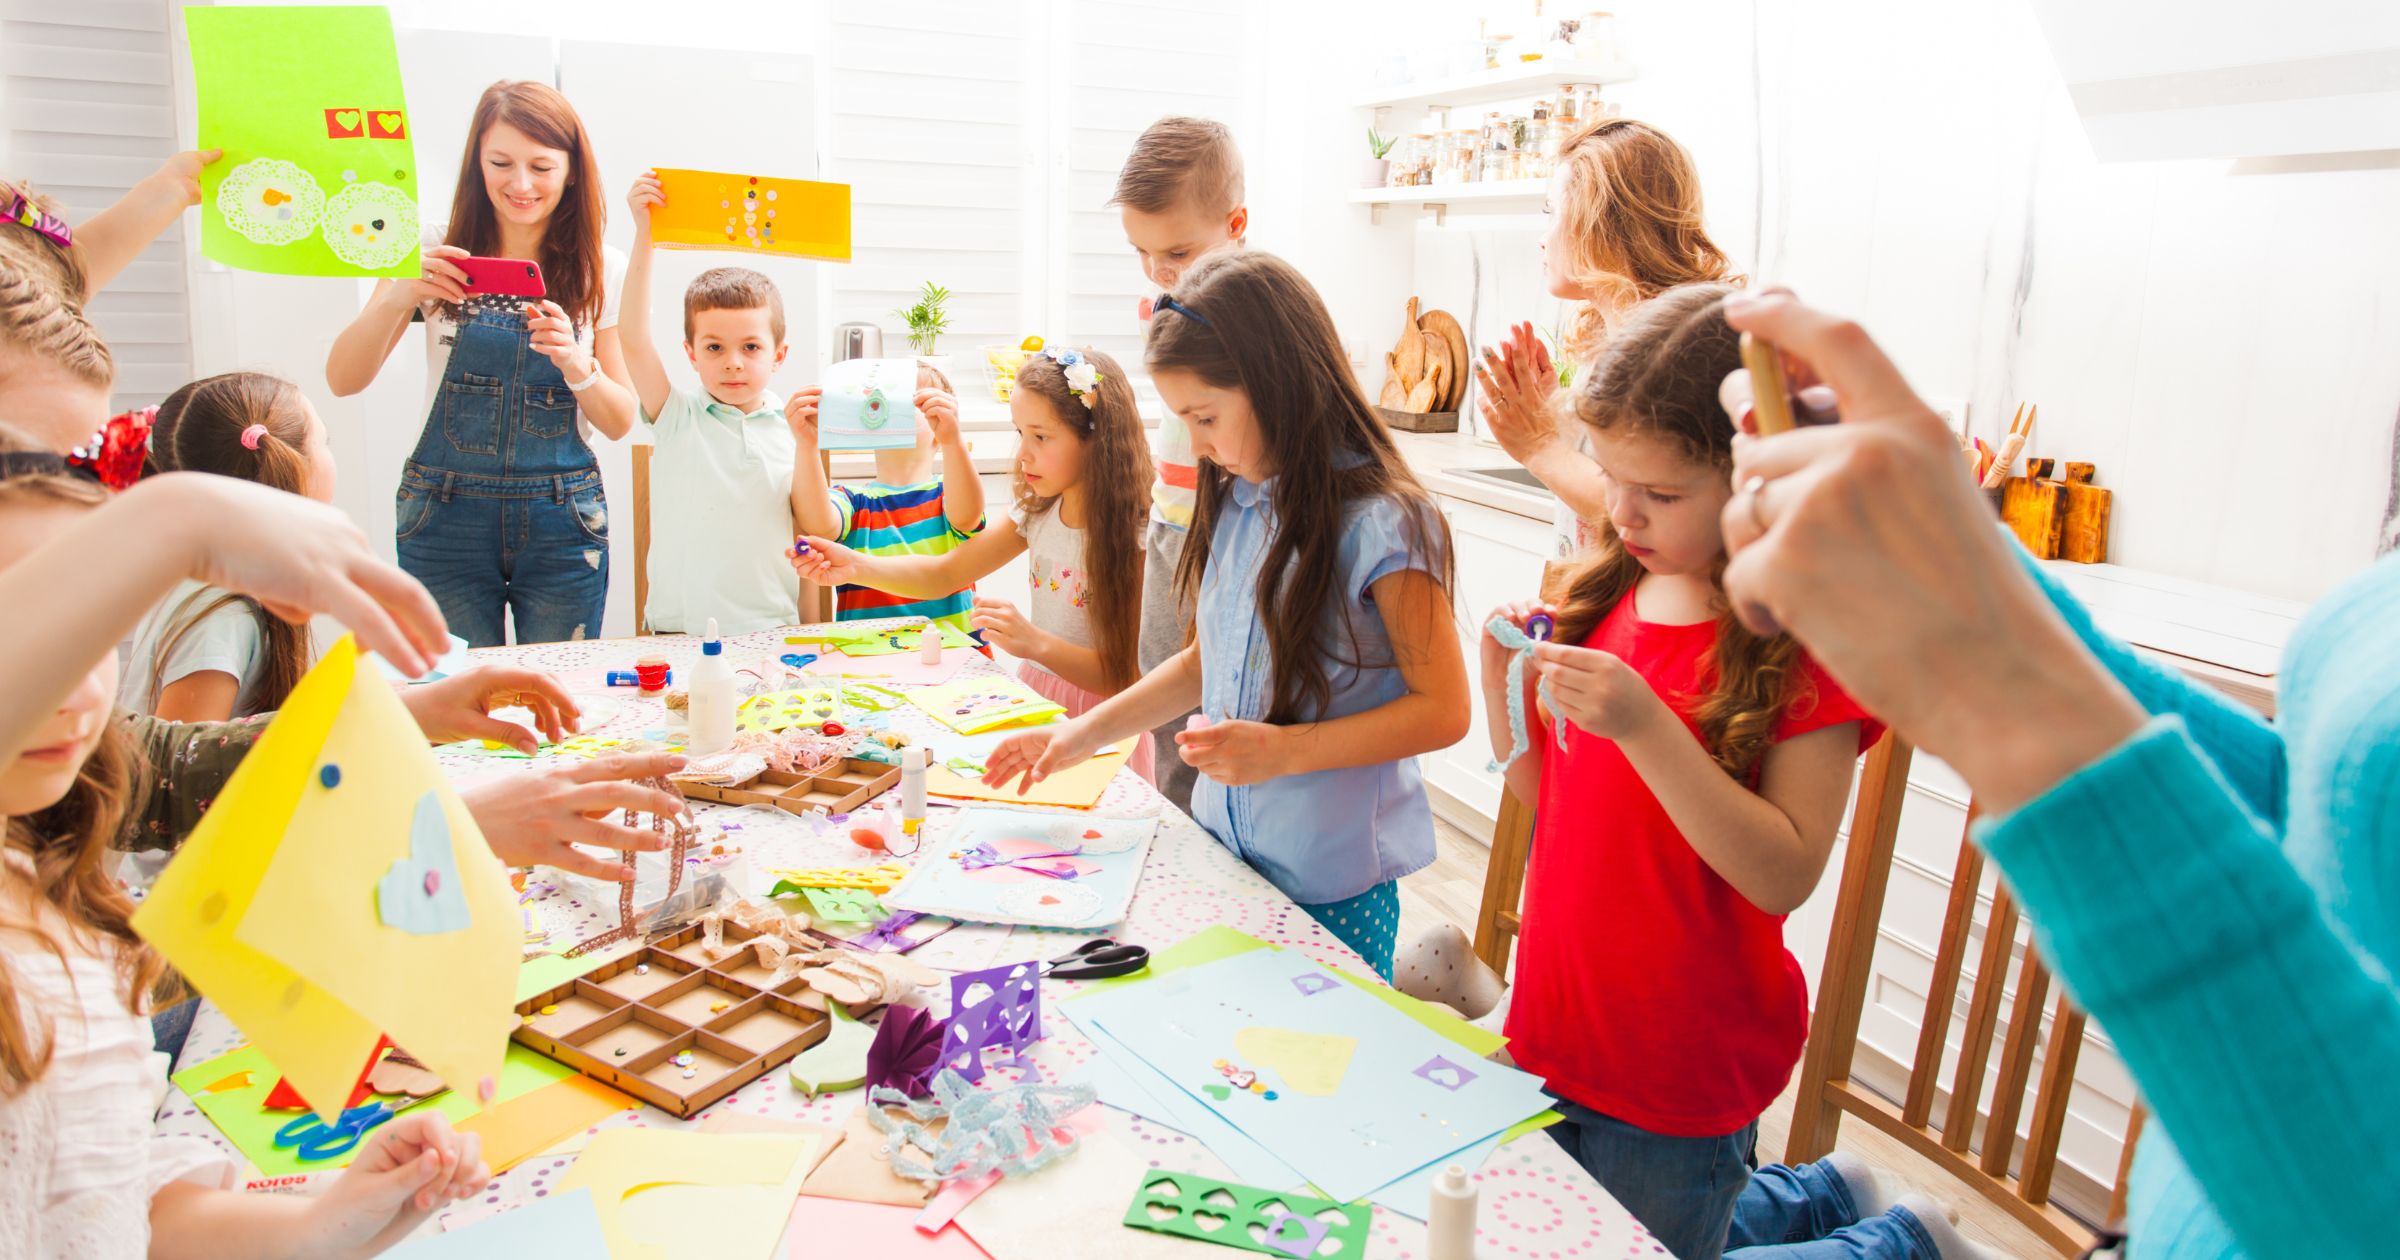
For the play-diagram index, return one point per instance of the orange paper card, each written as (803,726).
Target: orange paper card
(752,214)
(521,1128)
(1077,787)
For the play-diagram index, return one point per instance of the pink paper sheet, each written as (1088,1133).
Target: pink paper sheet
(905,669)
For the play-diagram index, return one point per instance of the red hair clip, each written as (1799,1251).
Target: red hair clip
(116,454)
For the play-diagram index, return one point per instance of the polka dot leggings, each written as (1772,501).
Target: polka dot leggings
(1368,923)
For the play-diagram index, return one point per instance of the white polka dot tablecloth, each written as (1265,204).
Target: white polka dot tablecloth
(1534,1201)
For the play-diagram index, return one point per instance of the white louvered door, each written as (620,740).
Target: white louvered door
(89,111)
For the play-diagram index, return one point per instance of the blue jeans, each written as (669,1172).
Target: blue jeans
(488,545)
(500,508)
(1681,1189)
(170,1027)
(1804,1212)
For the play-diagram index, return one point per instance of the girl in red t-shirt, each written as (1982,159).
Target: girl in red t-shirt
(1686,803)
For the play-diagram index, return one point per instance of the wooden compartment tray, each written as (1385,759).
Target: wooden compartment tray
(625,1023)
(840,790)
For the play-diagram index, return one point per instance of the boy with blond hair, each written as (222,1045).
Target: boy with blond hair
(1179,196)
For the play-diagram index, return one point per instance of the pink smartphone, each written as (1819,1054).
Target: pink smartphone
(513,277)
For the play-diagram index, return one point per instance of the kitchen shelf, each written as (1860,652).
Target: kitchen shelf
(1440,197)
(1508,83)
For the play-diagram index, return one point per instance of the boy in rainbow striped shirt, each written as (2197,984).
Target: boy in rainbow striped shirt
(908,510)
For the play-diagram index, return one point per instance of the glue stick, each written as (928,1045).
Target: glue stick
(1450,1221)
(929,644)
(711,710)
(913,762)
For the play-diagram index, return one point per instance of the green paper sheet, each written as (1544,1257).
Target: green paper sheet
(241,1115)
(319,176)
(879,642)
(552,970)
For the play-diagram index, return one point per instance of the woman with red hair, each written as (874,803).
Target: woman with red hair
(500,509)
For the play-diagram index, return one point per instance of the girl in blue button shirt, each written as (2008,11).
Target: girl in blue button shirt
(1325,660)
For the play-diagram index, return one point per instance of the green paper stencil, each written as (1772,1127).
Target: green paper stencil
(1269,1222)
(843,905)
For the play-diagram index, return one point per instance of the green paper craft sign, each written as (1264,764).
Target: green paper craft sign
(319,176)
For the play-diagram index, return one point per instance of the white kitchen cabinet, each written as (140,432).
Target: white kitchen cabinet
(1500,558)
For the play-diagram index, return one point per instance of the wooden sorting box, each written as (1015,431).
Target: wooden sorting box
(848,786)
(624,1022)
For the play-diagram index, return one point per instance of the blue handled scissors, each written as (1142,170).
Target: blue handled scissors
(799,660)
(313,1139)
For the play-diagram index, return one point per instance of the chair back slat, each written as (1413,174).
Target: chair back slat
(1949,959)
(2050,1101)
(1983,1020)
(2016,1064)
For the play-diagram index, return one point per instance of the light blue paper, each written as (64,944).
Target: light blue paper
(559,1225)
(1112,848)
(453,660)
(1129,1084)
(1382,1122)
(1412,1195)
(421,893)
(868,405)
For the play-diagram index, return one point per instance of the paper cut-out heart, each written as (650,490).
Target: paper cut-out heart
(1443,1072)
(1211,1221)
(1220,1198)
(421,893)
(1313,983)
(1165,1189)
(1161,1212)
(342,124)
(1309,1063)
(1296,1236)
(390,127)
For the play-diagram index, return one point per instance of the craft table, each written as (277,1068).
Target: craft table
(1535,1202)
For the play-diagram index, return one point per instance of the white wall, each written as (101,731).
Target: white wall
(2216,336)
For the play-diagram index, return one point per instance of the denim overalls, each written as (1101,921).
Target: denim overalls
(500,508)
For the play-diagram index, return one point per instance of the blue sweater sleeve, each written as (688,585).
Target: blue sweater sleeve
(2261,1035)
(2246,750)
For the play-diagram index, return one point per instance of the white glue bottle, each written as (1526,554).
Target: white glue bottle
(1450,1222)
(913,761)
(711,687)
(929,644)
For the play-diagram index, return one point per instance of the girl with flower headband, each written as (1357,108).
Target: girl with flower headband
(1082,495)
(207,654)
(1324,660)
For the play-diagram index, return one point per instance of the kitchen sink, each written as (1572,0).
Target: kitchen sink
(1511,476)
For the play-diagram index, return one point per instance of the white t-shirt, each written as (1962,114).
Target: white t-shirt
(78,1160)
(1054,575)
(228,640)
(441,329)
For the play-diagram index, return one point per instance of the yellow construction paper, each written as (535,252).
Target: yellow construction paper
(799,218)
(286,938)
(1309,1063)
(660,1193)
(1079,786)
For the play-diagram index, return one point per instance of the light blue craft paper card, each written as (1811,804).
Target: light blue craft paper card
(1128,1084)
(940,883)
(1407,1098)
(559,1225)
(868,405)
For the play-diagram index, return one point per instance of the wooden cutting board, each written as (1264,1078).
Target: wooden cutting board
(1442,324)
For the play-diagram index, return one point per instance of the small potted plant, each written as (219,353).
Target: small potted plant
(927,320)
(1379,165)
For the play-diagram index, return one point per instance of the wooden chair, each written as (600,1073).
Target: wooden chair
(1512,843)
(816,602)
(1826,1092)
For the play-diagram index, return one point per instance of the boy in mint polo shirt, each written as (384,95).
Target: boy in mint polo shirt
(721,501)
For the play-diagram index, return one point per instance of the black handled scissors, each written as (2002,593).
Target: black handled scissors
(1098,960)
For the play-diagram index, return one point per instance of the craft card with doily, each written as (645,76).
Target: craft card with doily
(319,176)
